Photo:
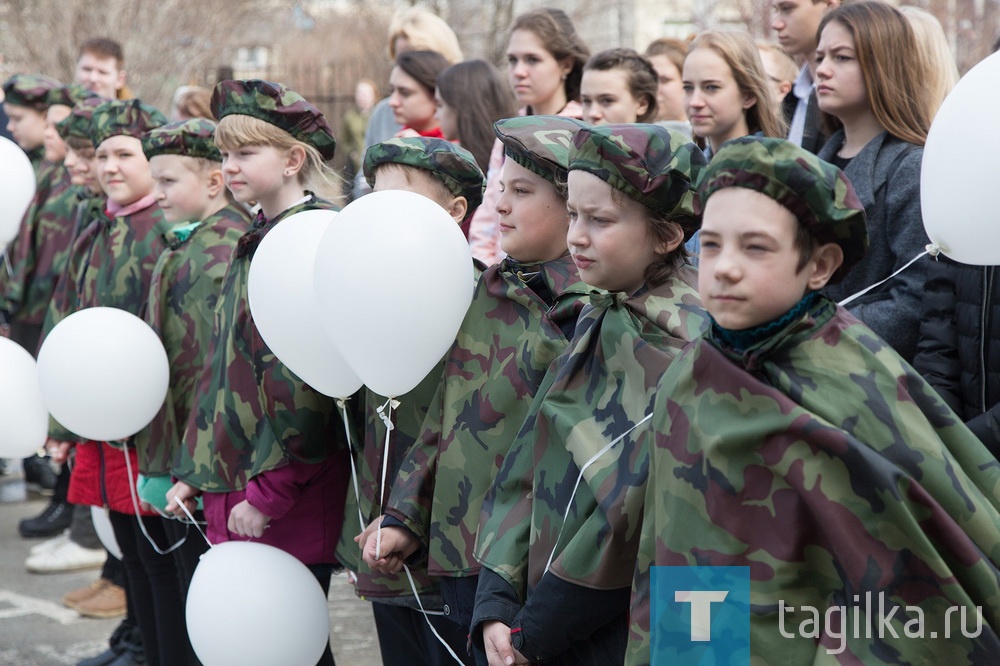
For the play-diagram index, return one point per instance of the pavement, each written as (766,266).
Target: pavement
(37,630)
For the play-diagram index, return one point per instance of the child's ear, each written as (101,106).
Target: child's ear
(295,160)
(216,185)
(826,259)
(457,208)
(643,107)
(673,240)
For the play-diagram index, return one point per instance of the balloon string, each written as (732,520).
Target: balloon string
(342,404)
(427,618)
(138,515)
(385,412)
(579,478)
(6,261)
(931,249)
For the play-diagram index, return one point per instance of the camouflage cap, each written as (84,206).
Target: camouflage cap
(275,104)
(30,90)
(77,124)
(451,164)
(540,144)
(129,117)
(816,192)
(69,95)
(651,164)
(189,138)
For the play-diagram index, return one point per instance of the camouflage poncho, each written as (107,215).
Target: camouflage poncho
(506,343)
(185,287)
(599,389)
(822,461)
(43,245)
(252,412)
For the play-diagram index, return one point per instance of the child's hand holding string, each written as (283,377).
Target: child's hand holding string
(247,521)
(182,493)
(397,545)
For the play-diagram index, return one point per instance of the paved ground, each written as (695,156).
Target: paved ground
(37,630)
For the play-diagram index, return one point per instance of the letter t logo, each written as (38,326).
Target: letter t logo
(701,610)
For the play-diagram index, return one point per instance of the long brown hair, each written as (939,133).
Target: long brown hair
(894,77)
(480,96)
(640,77)
(740,54)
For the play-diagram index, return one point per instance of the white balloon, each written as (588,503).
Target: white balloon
(103,373)
(17,191)
(394,279)
(958,172)
(24,421)
(282,293)
(102,525)
(250,603)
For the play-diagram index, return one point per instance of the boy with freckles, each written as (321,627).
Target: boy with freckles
(792,440)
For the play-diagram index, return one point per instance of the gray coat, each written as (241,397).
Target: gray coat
(896,235)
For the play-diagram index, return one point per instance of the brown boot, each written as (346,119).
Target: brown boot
(74,597)
(109,601)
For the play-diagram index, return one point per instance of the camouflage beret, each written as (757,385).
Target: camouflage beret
(30,90)
(69,95)
(275,104)
(452,165)
(816,192)
(128,117)
(651,164)
(77,123)
(189,138)
(541,144)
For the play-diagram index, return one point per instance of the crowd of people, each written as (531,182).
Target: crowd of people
(697,338)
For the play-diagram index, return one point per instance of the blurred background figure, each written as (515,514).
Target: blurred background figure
(352,133)
(780,69)
(667,56)
(934,52)
(191,102)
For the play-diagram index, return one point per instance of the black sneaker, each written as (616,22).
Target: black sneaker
(51,522)
(39,477)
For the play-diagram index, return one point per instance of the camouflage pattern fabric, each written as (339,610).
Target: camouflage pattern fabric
(650,163)
(78,123)
(407,419)
(816,192)
(275,104)
(70,95)
(117,267)
(540,144)
(451,164)
(189,138)
(823,462)
(42,246)
(30,90)
(252,412)
(128,117)
(183,293)
(507,341)
(602,386)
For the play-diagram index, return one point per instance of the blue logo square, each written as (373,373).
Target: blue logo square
(700,615)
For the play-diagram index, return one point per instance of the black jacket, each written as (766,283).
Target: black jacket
(959,347)
(813,136)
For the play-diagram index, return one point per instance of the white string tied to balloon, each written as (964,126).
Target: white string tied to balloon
(6,261)
(385,413)
(931,249)
(342,406)
(579,478)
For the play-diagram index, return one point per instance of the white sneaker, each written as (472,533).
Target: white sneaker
(49,544)
(66,556)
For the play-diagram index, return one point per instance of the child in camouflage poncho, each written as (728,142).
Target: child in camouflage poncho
(447,174)
(792,440)
(522,316)
(557,557)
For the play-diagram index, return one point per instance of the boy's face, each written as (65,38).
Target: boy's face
(122,169)
(533,218)
(182,189)
(82,165)
(609,239)
(26,125)
(747,272)
(796,22)
(100,75)
(55,147)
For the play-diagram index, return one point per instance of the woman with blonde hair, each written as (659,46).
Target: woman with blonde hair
(872,85)
(933,49)
(726,90)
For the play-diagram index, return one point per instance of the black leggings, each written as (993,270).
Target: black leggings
(323,572)
(154,590)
